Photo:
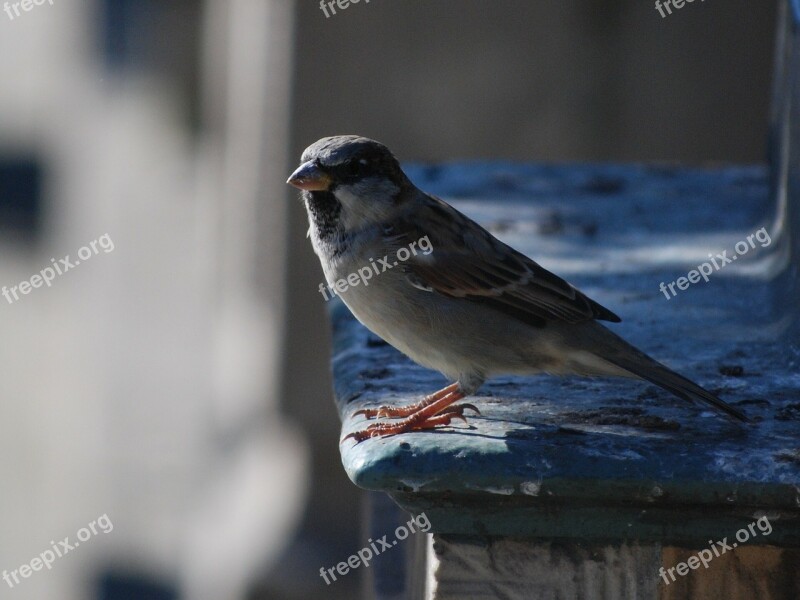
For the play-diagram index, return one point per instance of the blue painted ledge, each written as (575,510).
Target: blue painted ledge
(606,459)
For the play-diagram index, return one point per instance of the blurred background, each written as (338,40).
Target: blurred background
(179,383)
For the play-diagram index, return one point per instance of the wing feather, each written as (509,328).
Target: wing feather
(469,262)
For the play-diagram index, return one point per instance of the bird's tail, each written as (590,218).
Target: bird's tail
(623,355)
(656,373)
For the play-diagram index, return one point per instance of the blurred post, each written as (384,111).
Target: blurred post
(246,86)
(784,154)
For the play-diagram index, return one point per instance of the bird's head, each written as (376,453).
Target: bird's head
(352,179)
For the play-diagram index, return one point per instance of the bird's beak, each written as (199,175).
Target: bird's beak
(310,177)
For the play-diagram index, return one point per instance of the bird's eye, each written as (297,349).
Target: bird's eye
(357,168)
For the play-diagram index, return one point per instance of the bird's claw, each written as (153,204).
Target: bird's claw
(373,430)
(381,411)
(459,409)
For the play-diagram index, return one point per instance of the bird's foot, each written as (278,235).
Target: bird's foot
(430,415)
(396,412)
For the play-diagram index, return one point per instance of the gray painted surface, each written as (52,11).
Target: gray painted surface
(604,458)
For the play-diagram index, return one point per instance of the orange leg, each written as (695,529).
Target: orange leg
(428,415)
(405,411)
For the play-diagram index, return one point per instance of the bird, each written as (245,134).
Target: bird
(471,308)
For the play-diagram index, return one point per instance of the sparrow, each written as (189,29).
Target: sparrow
(471,308)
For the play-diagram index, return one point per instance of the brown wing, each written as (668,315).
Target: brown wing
(468,262)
